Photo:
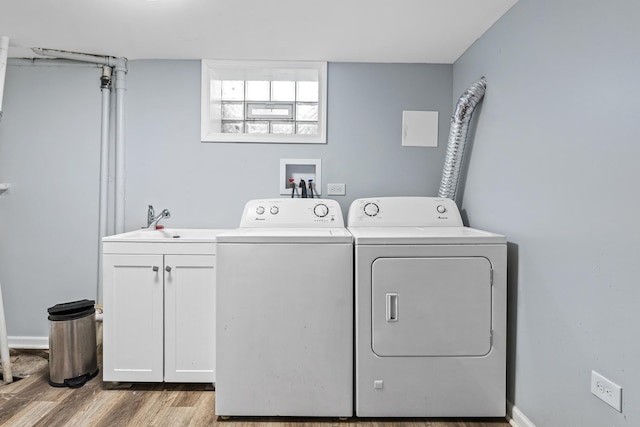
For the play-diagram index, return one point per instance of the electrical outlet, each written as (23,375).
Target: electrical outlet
(607,391)
(336,189)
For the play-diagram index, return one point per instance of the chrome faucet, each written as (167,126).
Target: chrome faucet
(150,215)
(152,220)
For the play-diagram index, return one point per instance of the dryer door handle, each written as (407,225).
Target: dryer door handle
(392,307)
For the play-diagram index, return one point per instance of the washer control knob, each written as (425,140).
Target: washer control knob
(321,210)
(274,210)
(371,209)
(441,209)
(260,210)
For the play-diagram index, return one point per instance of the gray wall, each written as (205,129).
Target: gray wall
(49,148)
(554,166)
(49,153)
(207,184)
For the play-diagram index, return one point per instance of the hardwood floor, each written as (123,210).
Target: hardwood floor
(33,402)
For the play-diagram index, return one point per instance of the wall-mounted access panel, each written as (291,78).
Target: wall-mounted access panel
(419,128)
(300,169)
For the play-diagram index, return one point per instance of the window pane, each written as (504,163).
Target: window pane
(281,128)
(257,91)
(232,127)
(270,110)
(307,128)
(280,112)
(233,90)
(215,111)
(307,91)
(215,90)
(283,91)
(233,110)
(307,112)
(257,127)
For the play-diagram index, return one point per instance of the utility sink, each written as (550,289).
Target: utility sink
(167,235)
(163,241)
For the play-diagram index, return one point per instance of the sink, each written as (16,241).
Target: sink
(167,235)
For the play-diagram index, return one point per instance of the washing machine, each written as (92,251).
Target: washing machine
(284,325)
(430,311)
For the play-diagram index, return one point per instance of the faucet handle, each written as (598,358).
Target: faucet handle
(150,215)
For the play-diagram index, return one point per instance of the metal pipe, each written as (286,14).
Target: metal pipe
(105,87)
(4,52)
(82,57)
(120,150)
(5,356)
(458,137)
(49,62)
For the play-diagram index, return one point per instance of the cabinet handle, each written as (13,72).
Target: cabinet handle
(155,268)
(167,269)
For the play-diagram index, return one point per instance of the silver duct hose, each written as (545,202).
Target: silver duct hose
(458,137)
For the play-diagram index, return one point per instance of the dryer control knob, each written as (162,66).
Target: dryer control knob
(321,210)
(441,209)
(260,210)
(371,209)
(274,210)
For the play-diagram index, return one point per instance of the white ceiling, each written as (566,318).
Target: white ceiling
(420,31)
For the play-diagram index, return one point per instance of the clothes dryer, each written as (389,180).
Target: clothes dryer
(430,311)
(285,311)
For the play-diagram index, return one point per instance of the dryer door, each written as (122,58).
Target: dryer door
(431,306)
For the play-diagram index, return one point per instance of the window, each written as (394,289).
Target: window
(263,101)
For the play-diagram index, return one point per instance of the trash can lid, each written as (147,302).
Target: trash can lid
(72,310)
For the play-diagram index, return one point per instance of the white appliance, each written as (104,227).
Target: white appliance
(430,311)
(284,311)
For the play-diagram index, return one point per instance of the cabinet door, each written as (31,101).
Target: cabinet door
(133,317)
(189,318)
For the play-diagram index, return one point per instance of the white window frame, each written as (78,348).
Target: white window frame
(245,70)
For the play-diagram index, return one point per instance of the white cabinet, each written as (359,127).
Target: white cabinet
(189,321)
(133,318)
(159,311)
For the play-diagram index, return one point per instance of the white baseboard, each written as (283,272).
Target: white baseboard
(40,343)
(516,417)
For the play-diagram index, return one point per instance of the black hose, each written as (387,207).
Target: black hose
(303,186)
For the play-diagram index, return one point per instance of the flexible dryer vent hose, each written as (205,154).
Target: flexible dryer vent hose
(458,137)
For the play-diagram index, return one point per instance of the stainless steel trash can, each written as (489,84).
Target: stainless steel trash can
(72,343)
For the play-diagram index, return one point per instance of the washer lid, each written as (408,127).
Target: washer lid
(286,235)
(423,236)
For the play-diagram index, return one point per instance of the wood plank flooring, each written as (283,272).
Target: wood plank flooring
(33,402)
